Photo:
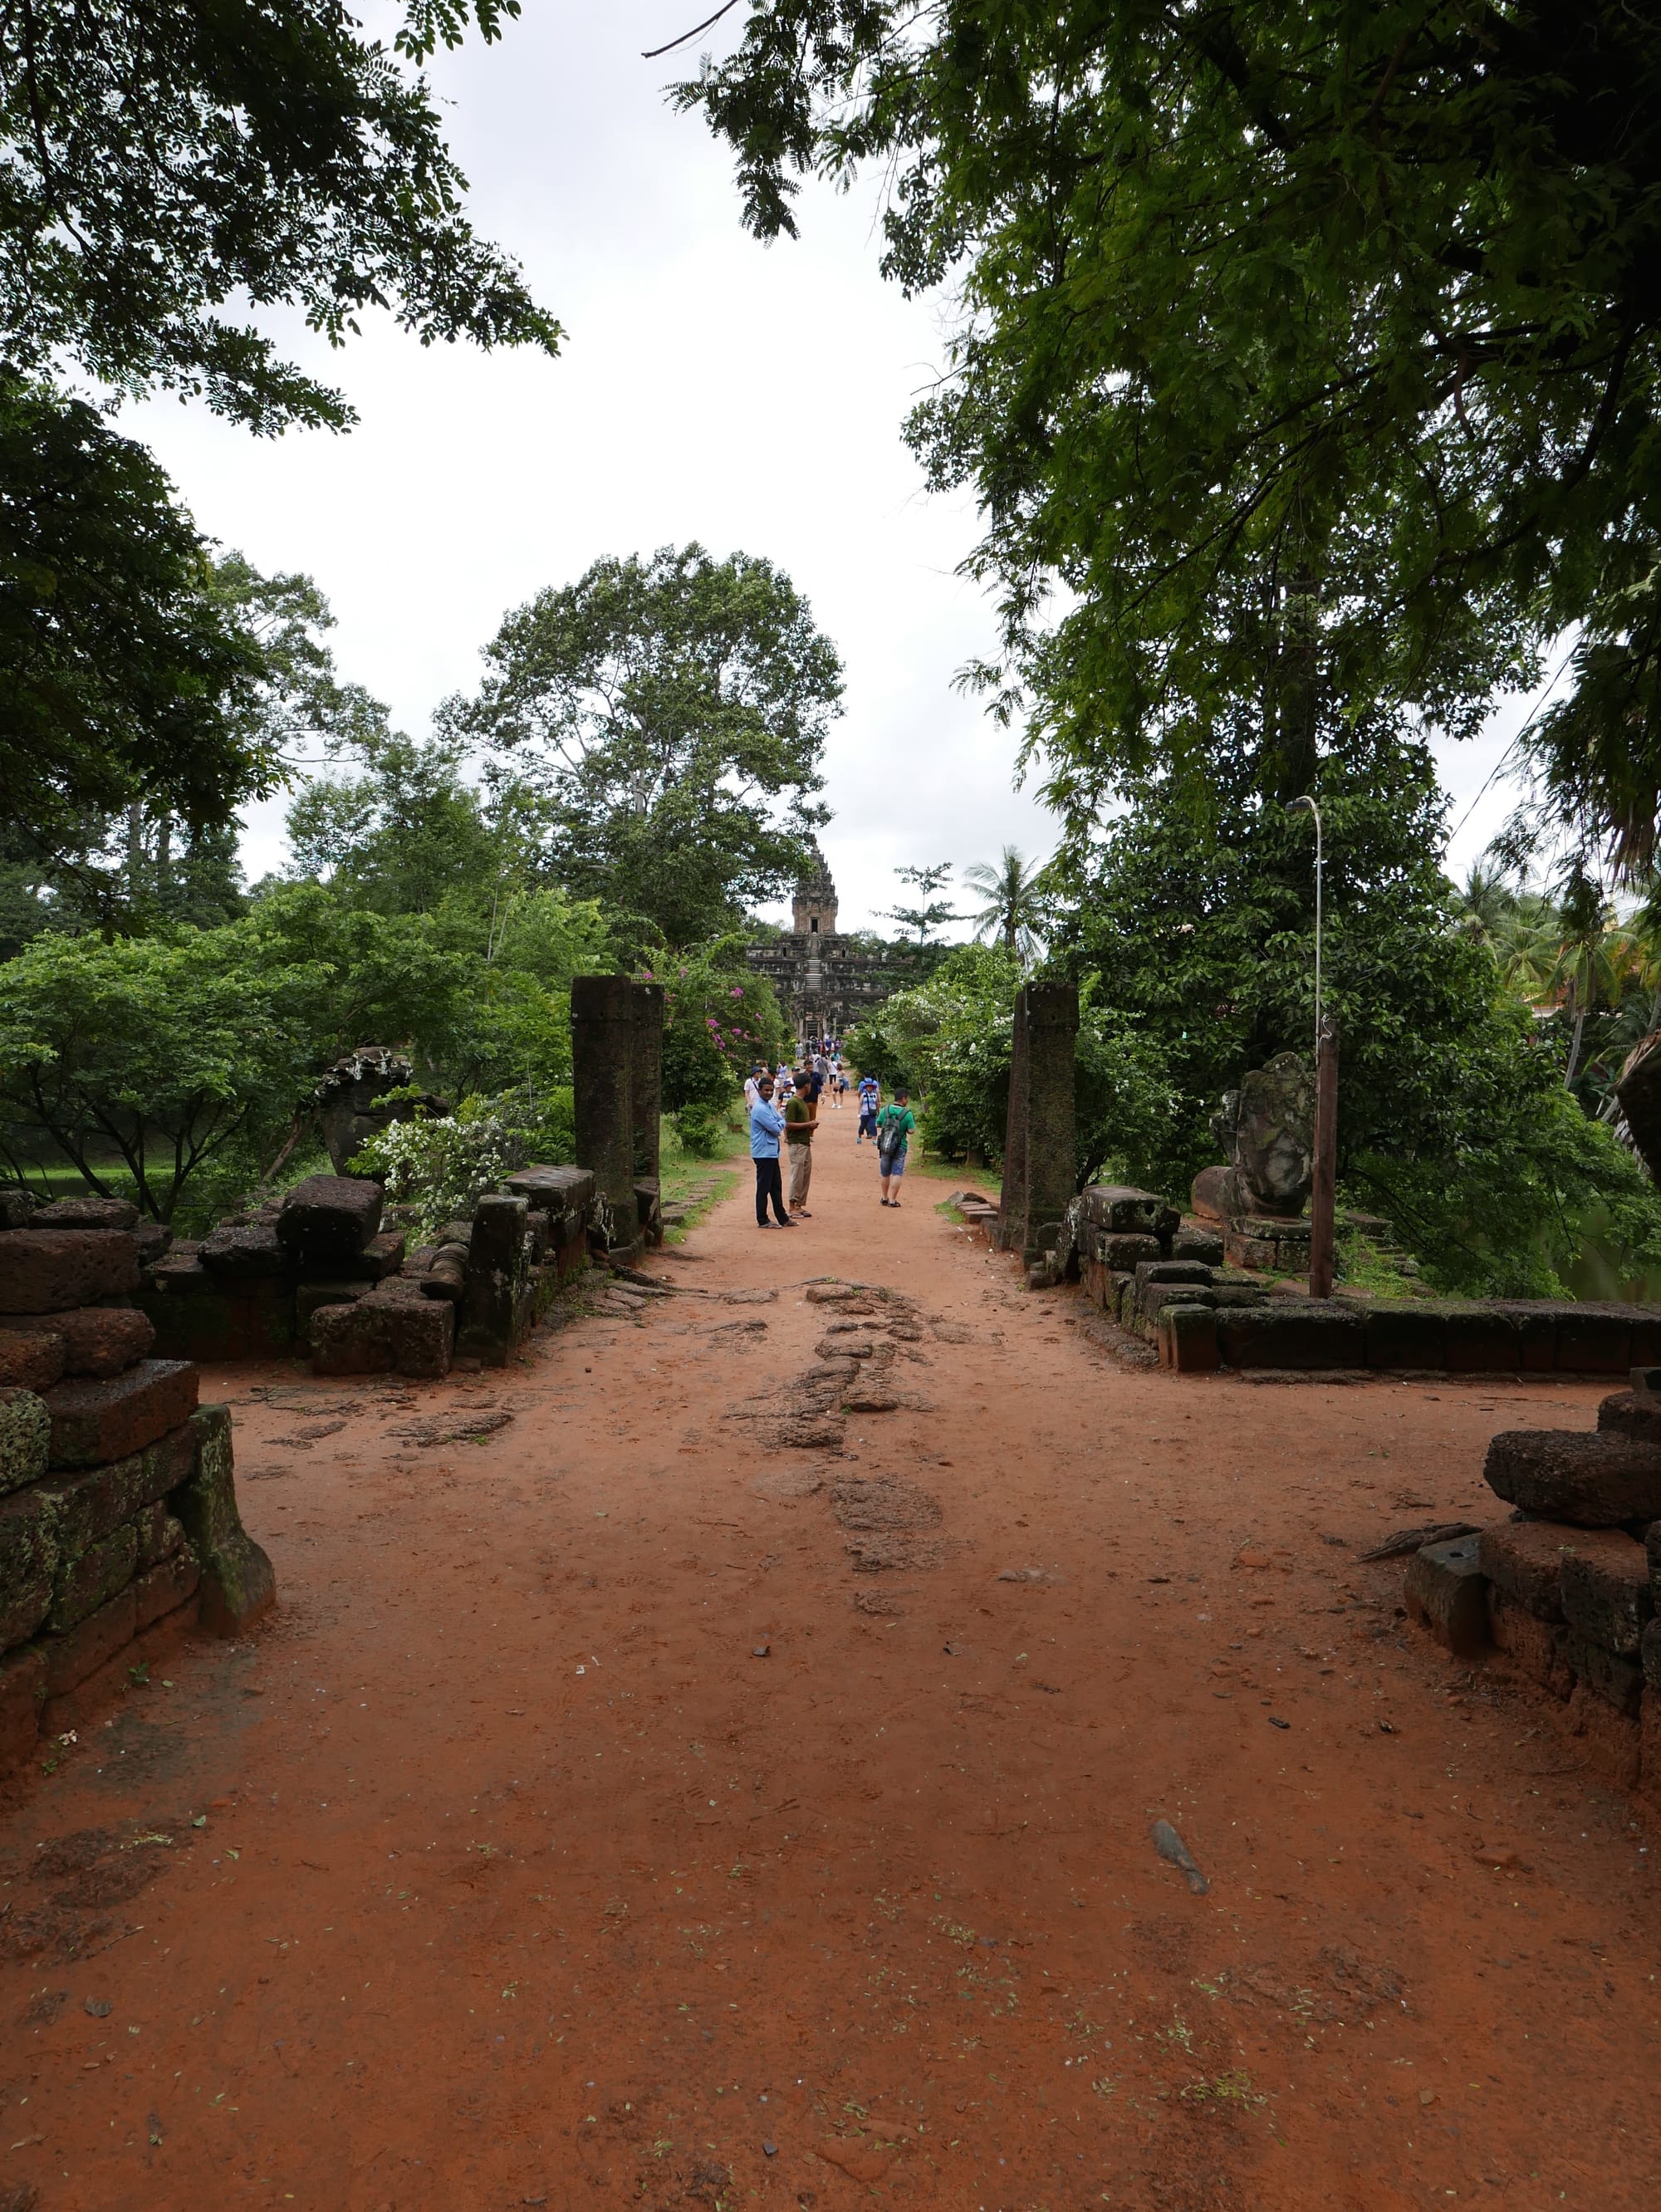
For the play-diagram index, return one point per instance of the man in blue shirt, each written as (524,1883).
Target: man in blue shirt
(766,1126)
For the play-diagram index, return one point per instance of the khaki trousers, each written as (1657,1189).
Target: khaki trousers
(801,1172)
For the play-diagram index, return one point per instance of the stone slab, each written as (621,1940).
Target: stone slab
(562,1190)
(91,1644)
(30,1359)
(233,1253)
(396,1329)
(1405,1335)
(159,1534)
(25,1438)
(230,1318)
(1481,1341)
(1121,1209)
(1593,1340)
(1534,1647)
(1633,1414)
(22,1692)
(1525,1559)
(1288,1334)
(82,1584)
(1125,1252)
(163,1587)
(310,1298)
(1204,1244)
(330,1217)
(1146,1301)
(1649,1746)
(238,1586)
(96,1339)
(1172,1270)
(1606,1737)
(1649,1656)
(94,1420)
(89,1212)
(1187,1340)
(28,1564)
(1618,1681)
(1593,1480)
(1606,1588)
(45,1270)
(1447,1591)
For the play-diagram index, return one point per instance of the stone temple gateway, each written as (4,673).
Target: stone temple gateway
(825,979)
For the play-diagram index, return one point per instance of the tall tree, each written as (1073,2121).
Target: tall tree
(1293,336)
(168,160)
(930,912)
(123,678)
(154,848)
(1014,906)
(671,714)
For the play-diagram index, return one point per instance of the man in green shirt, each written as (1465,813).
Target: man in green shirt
(800,1120)
(895,1125)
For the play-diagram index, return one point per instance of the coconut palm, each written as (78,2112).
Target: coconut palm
(1014,907)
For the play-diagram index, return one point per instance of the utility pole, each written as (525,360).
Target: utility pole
(1323,1200)
(1324,1197)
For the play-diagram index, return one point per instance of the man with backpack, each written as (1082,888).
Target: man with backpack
(895,1125)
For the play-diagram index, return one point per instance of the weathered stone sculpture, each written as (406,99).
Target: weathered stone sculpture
(352,1100)
(1267,1129)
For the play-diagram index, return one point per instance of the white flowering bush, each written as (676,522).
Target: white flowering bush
(441,1168)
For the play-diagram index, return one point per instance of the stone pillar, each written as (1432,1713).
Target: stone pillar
(496,1302)
(647,1079)
(1039,1159)
(603,1087)
(1052,1141)
(1012,1206)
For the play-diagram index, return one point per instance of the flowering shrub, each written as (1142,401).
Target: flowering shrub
(442,1168)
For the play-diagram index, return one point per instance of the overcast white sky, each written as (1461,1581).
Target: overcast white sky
(710,388)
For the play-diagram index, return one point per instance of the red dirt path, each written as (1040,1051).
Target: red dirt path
(523,1880)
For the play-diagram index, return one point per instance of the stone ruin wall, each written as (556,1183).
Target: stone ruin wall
(320,1273)
(1565,1596)
(119,1533)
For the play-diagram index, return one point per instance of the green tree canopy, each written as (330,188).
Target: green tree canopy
(162,1058)
(931,912)
(166,161)
(1196,913)
(670,715)
(125,678)
(1305,350)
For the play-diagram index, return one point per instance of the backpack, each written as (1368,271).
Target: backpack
(891,1134)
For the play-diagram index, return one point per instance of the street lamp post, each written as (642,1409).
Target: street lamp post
(1308,806)
(1322,1198)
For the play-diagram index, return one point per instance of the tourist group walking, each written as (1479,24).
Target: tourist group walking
(783,1119)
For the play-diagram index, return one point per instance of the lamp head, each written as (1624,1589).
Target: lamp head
(1300,806)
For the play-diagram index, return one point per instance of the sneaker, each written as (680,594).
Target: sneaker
(787,1225)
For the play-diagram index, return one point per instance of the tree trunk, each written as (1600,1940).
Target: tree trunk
(1574,1047)
(135,855)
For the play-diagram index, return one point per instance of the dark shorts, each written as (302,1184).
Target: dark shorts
(868,1125)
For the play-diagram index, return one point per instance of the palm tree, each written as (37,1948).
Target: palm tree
(1014,909)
